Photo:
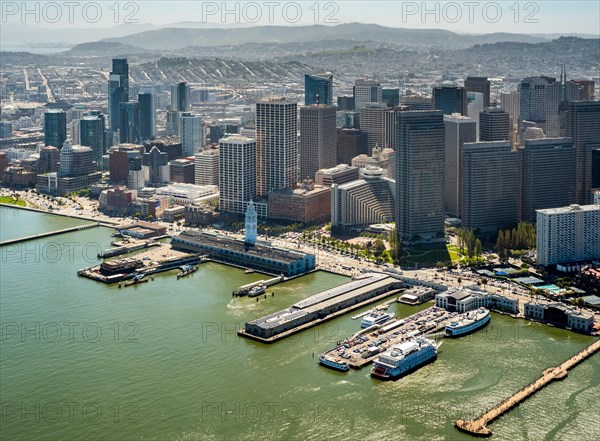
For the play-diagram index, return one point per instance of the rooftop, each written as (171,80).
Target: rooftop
(570,209)
(239,246)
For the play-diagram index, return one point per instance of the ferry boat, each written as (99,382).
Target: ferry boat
(257,290)
(468,322)
(337,365)
(404,358)
(185,270)
(376,318)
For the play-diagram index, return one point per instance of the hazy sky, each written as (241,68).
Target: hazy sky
(459,16)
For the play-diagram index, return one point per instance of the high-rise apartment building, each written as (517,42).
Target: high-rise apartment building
(420,175)
(276,144)
(207,167)
(318,139)
(568,234)
(237,173)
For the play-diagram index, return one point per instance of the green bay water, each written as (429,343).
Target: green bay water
(161,361)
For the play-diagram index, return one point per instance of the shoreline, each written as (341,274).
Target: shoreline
(102,222)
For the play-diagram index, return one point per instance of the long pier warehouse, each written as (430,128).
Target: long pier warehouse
(322,306)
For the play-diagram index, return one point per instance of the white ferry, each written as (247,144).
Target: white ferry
(257,290)
(468,322)
(404,358)
(337,365)
(376,318)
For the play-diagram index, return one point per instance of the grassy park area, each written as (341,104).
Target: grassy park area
(12,201)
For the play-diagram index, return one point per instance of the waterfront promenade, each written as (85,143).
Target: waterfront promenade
(478,426)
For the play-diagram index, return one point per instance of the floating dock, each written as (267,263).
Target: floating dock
(478,426)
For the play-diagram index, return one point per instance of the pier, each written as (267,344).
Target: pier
(49,233)
(478,426)
(365,345)
(125,249)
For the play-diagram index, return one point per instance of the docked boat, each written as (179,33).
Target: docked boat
(337,365)
(468,322)
(404,358)
(184,270)
(257,290)
(376,318)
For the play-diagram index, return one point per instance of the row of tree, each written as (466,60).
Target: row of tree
(521,238)
(469,244)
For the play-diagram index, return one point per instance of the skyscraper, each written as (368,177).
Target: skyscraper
(147,115)
(207,167)
(156,167)
(318,85)
(373,122)
(494,124)
(580,120)
(180,97)
(276,144)
(546,175)
(534,100)
(121,67)
(75,160)
(510,102)
(118,91)
(318,139)
(450,99)
(420,175)
(458,130)
(350,143)
(488,186)
(237,173)
(366,91)
(55,127)
(596,168)
(480,85)
(556,94)
(129,127)
(391,97)
(91,134)
(568,234)
(191,134)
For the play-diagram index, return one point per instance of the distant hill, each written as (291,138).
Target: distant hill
(178,38)
(104,48)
